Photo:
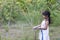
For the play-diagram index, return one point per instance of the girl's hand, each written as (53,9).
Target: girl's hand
(34,28)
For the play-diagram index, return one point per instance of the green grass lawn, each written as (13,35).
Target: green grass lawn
(25,32)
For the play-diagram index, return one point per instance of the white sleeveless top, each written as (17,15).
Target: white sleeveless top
(43,25)
(44,34)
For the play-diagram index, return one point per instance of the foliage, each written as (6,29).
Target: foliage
(28,10)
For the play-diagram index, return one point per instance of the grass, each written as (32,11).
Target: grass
(0,36)
(25,32)
(30,13)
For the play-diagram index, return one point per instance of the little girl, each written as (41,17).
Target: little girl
(44,27)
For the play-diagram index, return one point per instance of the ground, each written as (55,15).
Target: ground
(26,33)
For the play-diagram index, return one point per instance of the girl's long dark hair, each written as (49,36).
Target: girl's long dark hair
(47,13)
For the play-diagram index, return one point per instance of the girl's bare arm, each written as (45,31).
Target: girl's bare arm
(36,27)
(47,23)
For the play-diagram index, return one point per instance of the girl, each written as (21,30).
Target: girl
(44,27)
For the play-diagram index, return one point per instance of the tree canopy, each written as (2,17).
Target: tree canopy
(28,10)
